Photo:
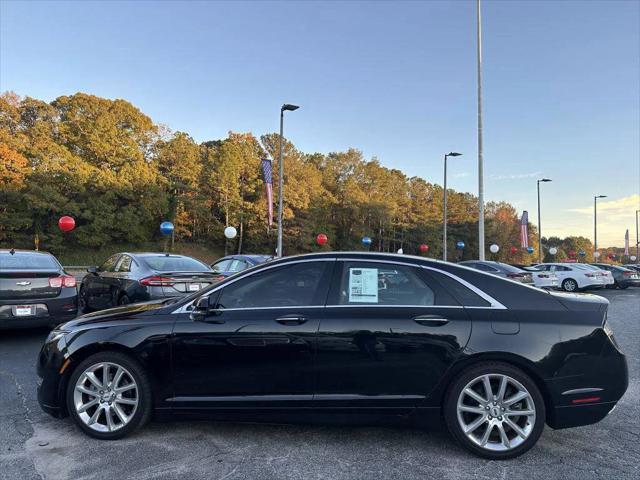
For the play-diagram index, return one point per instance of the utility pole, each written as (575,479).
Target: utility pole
(480,160)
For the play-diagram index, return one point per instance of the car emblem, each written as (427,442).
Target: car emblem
(23,284)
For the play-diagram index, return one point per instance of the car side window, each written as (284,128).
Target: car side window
(297,285)
(110,263)
(237,266)
(221,266)
(124,265)
(371,283)
(463,294)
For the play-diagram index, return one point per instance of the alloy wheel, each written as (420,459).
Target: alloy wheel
(570,285)
(496,412)
(105,397)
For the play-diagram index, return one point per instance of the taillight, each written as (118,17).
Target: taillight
(626,274)
(218,278)
(157,282)
(590,275)
(66,281)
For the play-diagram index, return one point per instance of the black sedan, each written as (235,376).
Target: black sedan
(136,277)
(35,290)
(355,335)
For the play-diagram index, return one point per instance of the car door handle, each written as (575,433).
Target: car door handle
(291,320)
(431,320)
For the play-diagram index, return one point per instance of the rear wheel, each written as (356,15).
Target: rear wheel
(570,285)
(124,299)
(109,395)
(495,410)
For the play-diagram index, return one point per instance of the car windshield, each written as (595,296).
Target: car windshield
(163,263)
(27,261)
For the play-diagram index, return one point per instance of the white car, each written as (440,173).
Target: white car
(543,279)
(607,276)
(572,277)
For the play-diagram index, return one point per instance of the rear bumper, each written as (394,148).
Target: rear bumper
(53,311)
(579,415)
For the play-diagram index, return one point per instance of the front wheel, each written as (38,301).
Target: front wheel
(109,395)
(83,300)
(570,285)
(495,410)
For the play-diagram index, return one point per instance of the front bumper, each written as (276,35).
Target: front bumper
(51,387)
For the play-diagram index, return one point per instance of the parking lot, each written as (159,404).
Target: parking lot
(36,446)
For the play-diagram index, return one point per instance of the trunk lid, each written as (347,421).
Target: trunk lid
(23,285)
(187,282)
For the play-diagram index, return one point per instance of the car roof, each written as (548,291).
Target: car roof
(35,252)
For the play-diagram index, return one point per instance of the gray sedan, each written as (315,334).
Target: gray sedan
(500,270)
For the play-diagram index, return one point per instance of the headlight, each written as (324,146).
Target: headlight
(56,335)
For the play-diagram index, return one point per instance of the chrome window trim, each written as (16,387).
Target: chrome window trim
(265,308)
(184,308)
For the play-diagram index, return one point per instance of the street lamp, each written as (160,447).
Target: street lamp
(539,225)
(290,108)
(595,221)
(444,206)
(637,242)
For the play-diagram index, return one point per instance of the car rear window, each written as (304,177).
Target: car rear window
(510,269)
(163,263)
(27,261)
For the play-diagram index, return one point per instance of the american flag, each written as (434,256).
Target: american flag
(524,230)
(267,171)
(626,243)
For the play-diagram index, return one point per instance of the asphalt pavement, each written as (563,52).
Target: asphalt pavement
(34,445)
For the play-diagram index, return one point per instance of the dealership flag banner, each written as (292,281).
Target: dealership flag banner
(524,230)
(626,243)
(267,171)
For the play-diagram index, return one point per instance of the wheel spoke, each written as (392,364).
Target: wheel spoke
(485,436)
(126,401)
(108,414)
(502,389)
(467,408)
(503,436)
(516,428)
(88,405)
(124,388)
(516,398)
(487,388)
(121,415)
(117,377)
(519,413)
(474,395)
(96,414)
(473,426)
(82,389)
(93,379)
(105,374)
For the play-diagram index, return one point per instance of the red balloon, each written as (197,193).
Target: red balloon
(424,248)
(572,253)
(514,250)
(66,223)
(321,239)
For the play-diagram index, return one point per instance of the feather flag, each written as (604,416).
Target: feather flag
(524,230)
(626,243)
(267,172)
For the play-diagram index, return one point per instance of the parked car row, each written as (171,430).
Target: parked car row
(570,277)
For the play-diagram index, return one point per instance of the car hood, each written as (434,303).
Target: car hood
(111,314)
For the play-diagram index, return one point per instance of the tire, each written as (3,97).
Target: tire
(496,447)
(622,287)
(570,285)
(83,305)
(116,401)
(124,299)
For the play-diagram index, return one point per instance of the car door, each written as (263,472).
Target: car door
(255,347)
(98,284)
(388,335)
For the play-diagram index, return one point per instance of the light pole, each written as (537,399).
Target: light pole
(480,159)
(444,206)
(595,221)
(290,108)
(637,242)
(539,224)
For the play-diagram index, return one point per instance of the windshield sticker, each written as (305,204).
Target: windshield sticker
(363,285)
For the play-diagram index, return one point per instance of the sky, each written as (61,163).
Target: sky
(396,80)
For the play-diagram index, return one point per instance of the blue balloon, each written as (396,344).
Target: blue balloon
(366,241)
(582,253)
(460,245)
(530,249)
(166,228)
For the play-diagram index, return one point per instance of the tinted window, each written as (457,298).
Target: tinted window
(463,294)
(221,266)
(238,266)
(485,268)
(163,263)
(110,264)
(509,268)
(371,283)
(124,265)
(294,285)
(27,261)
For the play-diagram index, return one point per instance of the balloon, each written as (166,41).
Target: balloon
(530,249)
(230,232)
(513,250)
(166,228)
(66,223)
(596,254)
(632,258)
(424,248)
(582,253)
(321,239)
(572,253)
(494,248)
(366,241)
(400,251)
(460,245)
(553,250)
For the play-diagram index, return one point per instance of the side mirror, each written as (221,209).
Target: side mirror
(201,311)
(92,269)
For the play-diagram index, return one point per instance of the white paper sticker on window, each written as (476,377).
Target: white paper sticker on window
(363,285)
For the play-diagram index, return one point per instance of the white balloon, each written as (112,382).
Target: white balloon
(633,258)
(230,232)
(553,250)
(596,254)
(494,248)
(400,251)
